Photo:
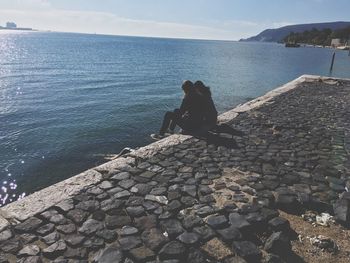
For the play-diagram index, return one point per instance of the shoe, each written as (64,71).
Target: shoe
(157,137)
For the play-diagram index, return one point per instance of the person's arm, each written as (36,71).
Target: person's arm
(184,106)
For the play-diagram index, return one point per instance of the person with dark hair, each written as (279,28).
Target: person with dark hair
(207,106)
(188,117)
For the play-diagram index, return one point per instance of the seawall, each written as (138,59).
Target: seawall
(183,187)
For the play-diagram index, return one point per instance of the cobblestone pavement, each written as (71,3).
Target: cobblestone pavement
(198,203)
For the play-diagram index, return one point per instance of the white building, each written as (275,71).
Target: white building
(336,42)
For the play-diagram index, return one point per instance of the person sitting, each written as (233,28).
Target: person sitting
(188,117)
(207,107)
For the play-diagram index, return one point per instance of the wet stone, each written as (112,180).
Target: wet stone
(188,238)
(29,225)
(172,250)
(90,227)
(55,250)
(153,238)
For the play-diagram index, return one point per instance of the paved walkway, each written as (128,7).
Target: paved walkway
(191,202)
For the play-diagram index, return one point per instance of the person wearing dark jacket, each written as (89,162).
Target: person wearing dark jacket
(188,117)
(207,106)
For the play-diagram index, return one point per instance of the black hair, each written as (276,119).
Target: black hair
(201,88)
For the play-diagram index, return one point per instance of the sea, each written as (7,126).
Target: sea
(70,101)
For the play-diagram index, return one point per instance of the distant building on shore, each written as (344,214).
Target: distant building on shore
(13,26)
(336,42)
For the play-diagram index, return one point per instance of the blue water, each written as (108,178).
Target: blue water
(68,100)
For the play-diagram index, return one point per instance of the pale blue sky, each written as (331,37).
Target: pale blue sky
(211,19)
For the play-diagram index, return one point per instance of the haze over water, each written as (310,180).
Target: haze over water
(68,100)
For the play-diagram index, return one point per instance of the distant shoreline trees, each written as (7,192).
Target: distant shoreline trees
(318,37)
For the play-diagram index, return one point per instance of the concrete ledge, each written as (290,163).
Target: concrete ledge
(47,197)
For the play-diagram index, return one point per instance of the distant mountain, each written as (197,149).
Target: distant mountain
(277,35)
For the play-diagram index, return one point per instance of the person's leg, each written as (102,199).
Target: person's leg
(176,117)
(166,122)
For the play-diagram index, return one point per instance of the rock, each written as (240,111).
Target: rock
(288,203)
(172,226)
(341,210)
(11,246)
(142,254)
(146,222)
(90,227)
(239,221)
(172,250)
(205,232)
(5,235)
(196,256)
(110,255)
(28,226)
(77,215)
(141,189)
(129,242)
(191,221)
(51,238)
(122,194)
(66,229)
(159,199)
(135,211)
(247,250)
(216,221)
(128,231)
(278,243)
(107,235)
(55,250)
(230,233)
(216,249)
(94,243)
(105,185)
(45,229)
(30,250)
(153,238)
(271,258)
(75,240)
(76,253)
(174,205)
(279,224)
(324,243)
(65,205)
(113,222)
(188,238)
(235,259)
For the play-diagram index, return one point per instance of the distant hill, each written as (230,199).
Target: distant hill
(278,34)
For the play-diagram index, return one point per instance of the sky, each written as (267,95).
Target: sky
(199,19)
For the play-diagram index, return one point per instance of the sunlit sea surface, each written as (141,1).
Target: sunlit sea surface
(69,100)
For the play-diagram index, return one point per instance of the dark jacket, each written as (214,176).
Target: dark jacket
(210,114)
(191,109)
